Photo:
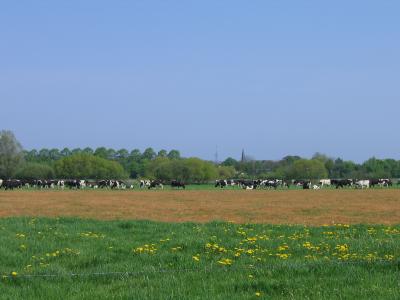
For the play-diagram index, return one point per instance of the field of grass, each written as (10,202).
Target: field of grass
(85,259)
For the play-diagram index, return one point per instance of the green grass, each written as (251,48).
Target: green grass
(196,261)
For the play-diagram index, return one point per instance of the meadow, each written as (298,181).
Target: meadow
(200,244)
(72,258)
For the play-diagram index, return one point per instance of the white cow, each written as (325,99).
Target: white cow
(326,182)
(315,187)
(1,182)
(362,184)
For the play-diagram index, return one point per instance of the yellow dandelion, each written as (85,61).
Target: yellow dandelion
(196,257)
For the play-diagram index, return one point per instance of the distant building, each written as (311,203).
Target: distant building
(243,159)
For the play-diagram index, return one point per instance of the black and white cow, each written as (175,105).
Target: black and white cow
(177,184)
(341,183)
(306,185)
(382,182)
(156,184)
(271,183)
(73,184)
(248,184)
(144,183)
(224,182)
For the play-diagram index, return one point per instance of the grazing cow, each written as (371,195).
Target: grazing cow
(224,182)
(144,183)
(362,184)
(342,182)
(299,182)
(177,184)
(61,184)
(11,184)
(156,184)
(248,184)
(306,185)
(285,184)
(383,182)
(326,182)
(271,183)
(386,182)
(1,182)
(73,184)
(104,184)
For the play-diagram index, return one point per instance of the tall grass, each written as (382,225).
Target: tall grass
(90,259)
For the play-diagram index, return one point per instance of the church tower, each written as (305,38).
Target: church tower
(243,159)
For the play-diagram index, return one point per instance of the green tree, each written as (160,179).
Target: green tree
(101,152)
(76,151)
(231,162)
(149,154)
(307,169)
(54,154)
(35,171)
(174,154)
(162,153)
(65,152)
(226,172)
(122,154)
(135,155)
(88,150)
(11,155)
(85,166)
(44,155)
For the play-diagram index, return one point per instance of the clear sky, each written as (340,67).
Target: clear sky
(273,77)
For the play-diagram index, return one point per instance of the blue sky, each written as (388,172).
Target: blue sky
(273,77)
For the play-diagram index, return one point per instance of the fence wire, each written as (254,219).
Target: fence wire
(226,269)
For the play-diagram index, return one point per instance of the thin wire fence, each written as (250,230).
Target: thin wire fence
(226,269)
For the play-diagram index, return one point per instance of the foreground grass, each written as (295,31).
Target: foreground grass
(85,259)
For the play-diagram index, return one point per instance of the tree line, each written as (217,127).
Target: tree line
(101,163)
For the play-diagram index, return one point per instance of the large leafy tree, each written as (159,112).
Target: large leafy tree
(11,154)
(86,166)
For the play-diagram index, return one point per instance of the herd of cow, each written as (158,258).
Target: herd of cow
(305,184)
(11,184)
(158,184)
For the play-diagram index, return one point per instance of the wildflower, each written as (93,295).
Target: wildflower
(258,294)
(283,247)
(251,276)
(226,262)
(14,273)
(196,257)
(283,255)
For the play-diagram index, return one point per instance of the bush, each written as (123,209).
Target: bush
(35,171)
(81,166)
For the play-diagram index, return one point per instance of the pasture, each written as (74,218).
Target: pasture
(85,259)
(200,244)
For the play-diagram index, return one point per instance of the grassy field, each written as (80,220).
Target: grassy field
(86,259)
